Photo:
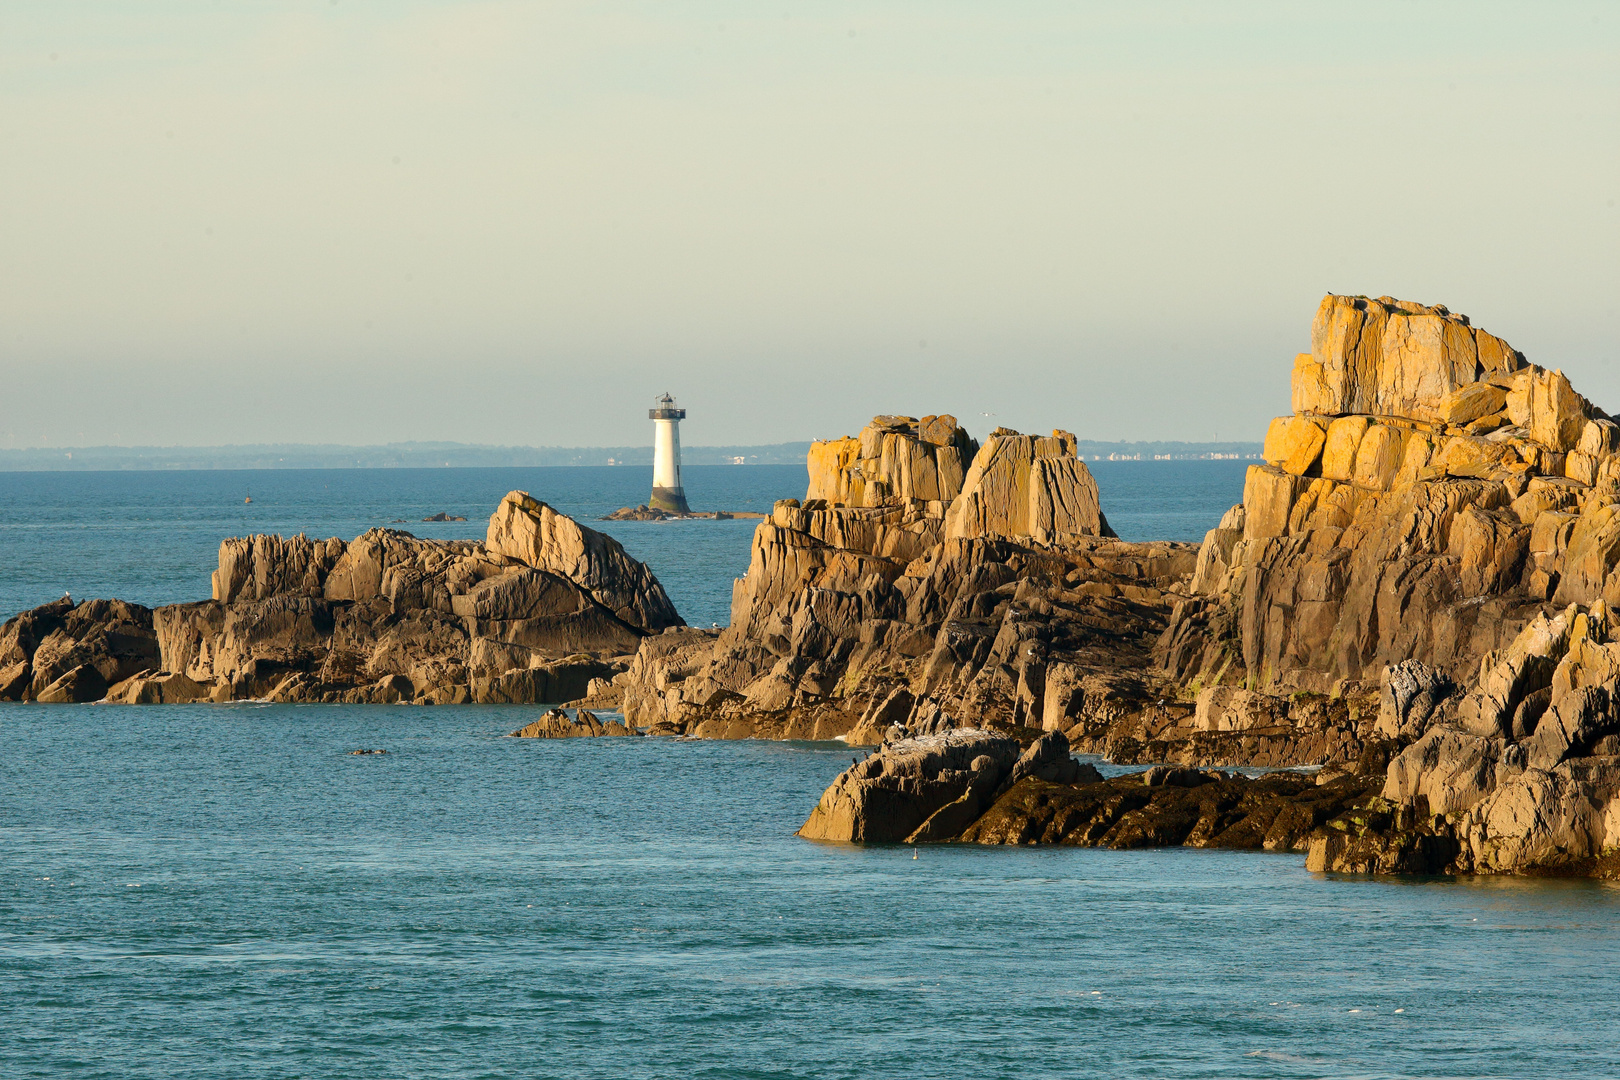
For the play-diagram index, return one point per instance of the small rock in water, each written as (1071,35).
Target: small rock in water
(443,516)
(353,753)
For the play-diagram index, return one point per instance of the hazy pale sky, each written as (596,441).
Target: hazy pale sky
(365,221)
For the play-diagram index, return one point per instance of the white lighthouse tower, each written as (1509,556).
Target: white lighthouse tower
(667,493)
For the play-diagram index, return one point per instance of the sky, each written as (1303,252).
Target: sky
(370,221)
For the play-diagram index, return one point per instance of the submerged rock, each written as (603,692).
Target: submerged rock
(557,724)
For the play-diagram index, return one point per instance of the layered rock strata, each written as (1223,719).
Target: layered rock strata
(535,613)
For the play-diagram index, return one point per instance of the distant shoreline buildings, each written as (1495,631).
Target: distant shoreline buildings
(439,455)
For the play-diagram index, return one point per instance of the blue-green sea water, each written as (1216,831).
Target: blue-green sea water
(226,891)
(153,537)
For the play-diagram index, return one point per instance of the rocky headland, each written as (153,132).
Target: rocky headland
(1414,596)
(534,613)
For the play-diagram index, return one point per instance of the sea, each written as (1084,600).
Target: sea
(229,891)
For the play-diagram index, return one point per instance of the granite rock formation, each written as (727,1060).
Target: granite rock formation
(1432,492)
(1441,517)
(67,652)
(557,724)
(1519,772)
(1421,574)
(923,597)
(1010,606)
(535,613)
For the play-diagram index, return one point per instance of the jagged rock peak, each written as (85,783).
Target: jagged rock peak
(894,458)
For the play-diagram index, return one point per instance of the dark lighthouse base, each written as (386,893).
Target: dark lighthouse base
(670,500)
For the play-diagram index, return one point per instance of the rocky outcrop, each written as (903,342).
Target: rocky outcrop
(1521,773)
(1011,607)
(977,787)
(527,530)
(536,613)
(67,652)
(644,512)
(1432,492)
(894,457)
(886,611)
(1415,594)
(1443,517)
(557,724)
(1027,486)
(1277,812)
(926,788)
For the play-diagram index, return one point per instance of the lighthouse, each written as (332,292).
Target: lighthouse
(667,493)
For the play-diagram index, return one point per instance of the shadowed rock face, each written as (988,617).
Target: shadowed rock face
(525,529)
(533,615)
(557,724)
(976,787)
(67,652)
(1521,772)
(894,795)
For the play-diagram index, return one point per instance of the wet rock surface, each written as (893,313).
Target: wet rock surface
(978,787)
(557,724)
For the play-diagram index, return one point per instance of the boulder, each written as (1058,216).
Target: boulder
(158,688)
(1231,708)
(1468,403)
(1047,758)
(1558,415)
(1027,486)
(893,794)
(80,684)
(1388,357)
(1450,770)
(1294,443)
(526,529)
(1268,498)
(1341,445)
(1411,693)
(1380,456)
(892,460)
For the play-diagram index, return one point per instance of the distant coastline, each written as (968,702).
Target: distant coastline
(421,455)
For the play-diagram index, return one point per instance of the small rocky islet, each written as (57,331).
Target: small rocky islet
(1414,599)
